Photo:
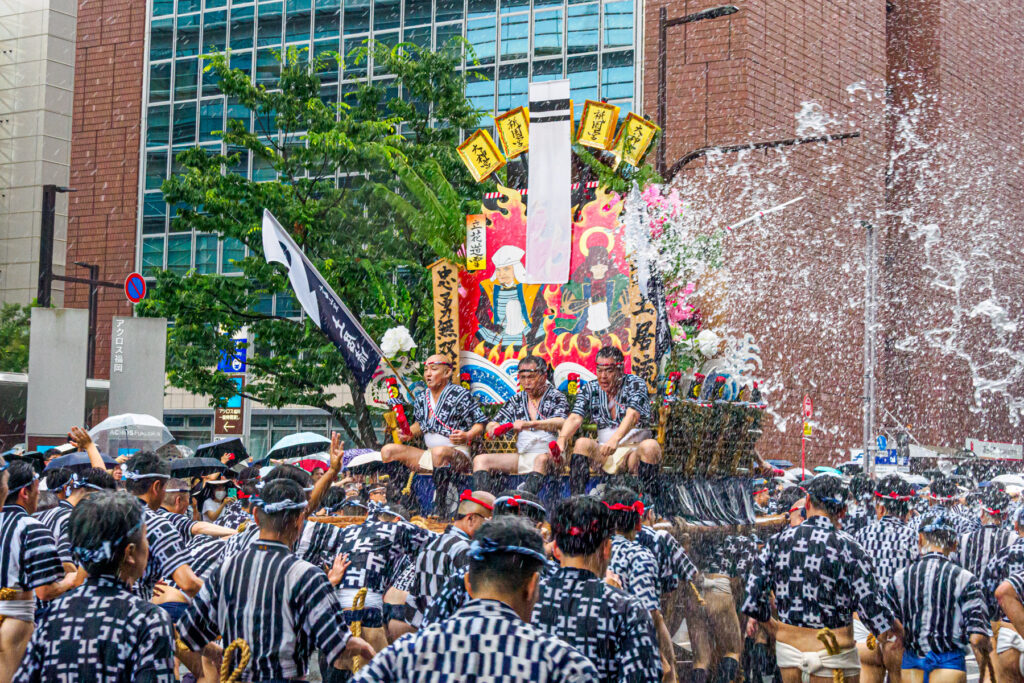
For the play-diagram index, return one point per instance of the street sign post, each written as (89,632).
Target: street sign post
(881,442)
(135,288)
(808,408)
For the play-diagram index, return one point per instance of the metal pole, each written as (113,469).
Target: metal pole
(94,291)
(46,246)
(869,346)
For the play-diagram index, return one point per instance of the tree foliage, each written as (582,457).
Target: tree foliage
(371,188)
(14,333)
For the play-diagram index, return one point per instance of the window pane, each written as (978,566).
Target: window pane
(354,68)
(444,33)
(186,84)
(211,118)
(480,8)
(327,18)
(243,61)
(215,27)
(512,4)
(241,166)
(482,35)
(479,91)
(206,254)
(179,253)
(156,169)
(210,81)
(583,28)
(448,10)
(152,255)
(233,250)
(386,14)
(157,123)
(547,69)
(357,16)
(329,67)
(268,69)
(212,4)
(299,16)
(512,84)
(417,12)
(418,36)
(239,112)
(184,122)
(160,82)
(515,36)
(262,170)
(268,31)
(389,40)
(189,6)
(582,72)
(162,7)
(287,306)
(617,75)
(154,213)
(242,26)
(188,36)
(160,38)
(618,24)
(547,33)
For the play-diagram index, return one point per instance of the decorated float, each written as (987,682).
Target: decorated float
(579,247)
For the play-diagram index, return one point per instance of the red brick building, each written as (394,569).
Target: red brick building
(796,281)
(904,74)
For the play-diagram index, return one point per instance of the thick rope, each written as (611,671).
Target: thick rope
(7,594)
(245,654)
(358,603)
(872,642)
(828,639)
(700,598)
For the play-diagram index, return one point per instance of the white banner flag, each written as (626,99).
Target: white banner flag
(549,211)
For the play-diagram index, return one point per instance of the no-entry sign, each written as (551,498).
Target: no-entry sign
(808,407)
(135,288)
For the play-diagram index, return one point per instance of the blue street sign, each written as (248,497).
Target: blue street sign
(236,400)
(881,442)
(234,363)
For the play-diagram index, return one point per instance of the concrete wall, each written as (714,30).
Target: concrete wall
(37,60)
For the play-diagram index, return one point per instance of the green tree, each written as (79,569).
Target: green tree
(14,331)
(343,184)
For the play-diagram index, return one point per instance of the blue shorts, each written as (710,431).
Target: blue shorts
(175,609)
(370,617)
(934,660)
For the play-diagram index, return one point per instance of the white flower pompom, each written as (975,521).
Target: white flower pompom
(708,343)
(397,340)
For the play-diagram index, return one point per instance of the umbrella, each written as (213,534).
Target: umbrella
(34,458)
(130,432)
(79,460)
(362,457)
(222,447)
(781,464)
(823,469)
(322,457)
(183,468)
(310,464)
(795,473)
(296,445)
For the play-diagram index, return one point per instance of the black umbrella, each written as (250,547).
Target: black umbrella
(184,468)
(78,460)
(218,449)
(34,458)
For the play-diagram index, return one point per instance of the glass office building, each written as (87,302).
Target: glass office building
(592,43)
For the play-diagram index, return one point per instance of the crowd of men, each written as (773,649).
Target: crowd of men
(125,580)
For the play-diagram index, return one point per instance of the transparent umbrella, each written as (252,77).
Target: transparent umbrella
(130,432)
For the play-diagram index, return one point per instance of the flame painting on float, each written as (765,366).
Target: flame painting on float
(502,317)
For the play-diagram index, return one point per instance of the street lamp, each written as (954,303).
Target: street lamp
(46,242)
(94,296)
(663,24)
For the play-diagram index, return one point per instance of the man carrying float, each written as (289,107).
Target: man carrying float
(536,414)
(449,419)
(619,404)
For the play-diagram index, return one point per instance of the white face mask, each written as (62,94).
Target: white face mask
(219,495)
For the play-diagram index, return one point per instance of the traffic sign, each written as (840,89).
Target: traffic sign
(807,428)
(135,288)
(808,407)
(881,442)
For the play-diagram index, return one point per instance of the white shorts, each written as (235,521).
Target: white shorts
(22,610)
(347,595)
(718,584)
(860,631)
(1008,639)
(818,663)
(527,462)
(614,462)
(427,460)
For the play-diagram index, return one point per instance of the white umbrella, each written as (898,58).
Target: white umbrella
(364,459)
(794,473)
(915,479)
(1013,479)
(296,445)
(129,432)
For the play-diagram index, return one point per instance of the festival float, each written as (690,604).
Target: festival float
(629,266)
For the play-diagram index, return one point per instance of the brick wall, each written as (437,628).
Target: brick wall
(795,281)
(105,154)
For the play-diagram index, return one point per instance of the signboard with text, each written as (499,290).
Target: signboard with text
(995,449)
(228,421)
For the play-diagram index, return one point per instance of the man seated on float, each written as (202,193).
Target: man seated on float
(449,419)
(535,414)
(620,406)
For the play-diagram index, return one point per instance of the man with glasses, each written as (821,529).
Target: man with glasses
(620,406)
(535,414)
(449,419)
